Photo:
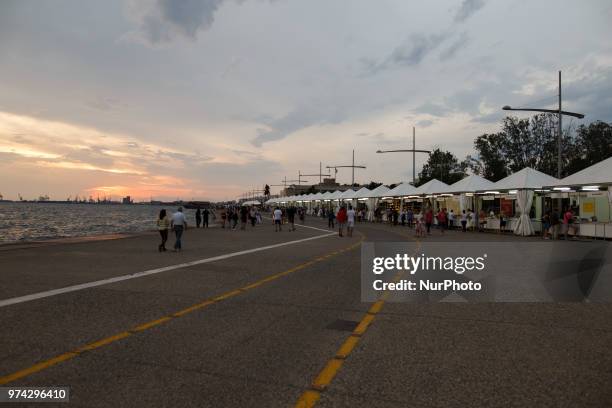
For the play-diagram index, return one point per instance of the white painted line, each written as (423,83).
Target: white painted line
(314,228)
(74,288)
(306,226)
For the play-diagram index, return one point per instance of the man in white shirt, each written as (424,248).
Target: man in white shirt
(278,216)
(350,225)
(178,223)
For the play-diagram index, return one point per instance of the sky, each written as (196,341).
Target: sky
(208,99)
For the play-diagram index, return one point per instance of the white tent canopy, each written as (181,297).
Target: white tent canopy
(433,186)
(326,195)
(469,184)
(335,195)
(252,202)
(526,179)
(316,196)
(401,190)
(347,195)
(598,173)
(363,192)
(380,191)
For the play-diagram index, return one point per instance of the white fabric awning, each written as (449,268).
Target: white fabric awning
(469,184)
(402,190)
(335,195)
(363,192)
(380,191)
(597,174)
(326,195)
(347,195)
(526,179)
(433,186)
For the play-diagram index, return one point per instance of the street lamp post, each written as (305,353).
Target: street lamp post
(558,112)
(413,151)
(352,167)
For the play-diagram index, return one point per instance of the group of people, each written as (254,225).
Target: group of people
(177,222)
(201,217)
(443,219)
(554,223)
(344,217)
(231,215)
(278,217)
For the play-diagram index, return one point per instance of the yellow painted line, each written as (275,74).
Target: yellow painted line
(308,399)
(347,347)
(37,367)
(103,342)
(193,308)
(376,307)
(327,374)
(227,295)
(145,326)
(363,324)
(151,324)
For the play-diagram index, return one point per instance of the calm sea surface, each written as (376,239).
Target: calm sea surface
(20,222)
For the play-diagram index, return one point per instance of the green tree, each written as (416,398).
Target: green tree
(373,184)
(442,165)
(491,162)
(529,142)
(592,144)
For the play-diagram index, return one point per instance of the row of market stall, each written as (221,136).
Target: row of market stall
(521,198)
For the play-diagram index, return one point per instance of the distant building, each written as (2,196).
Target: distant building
(127,200)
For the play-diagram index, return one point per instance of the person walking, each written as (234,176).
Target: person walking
(330,219)
(482,220)
(252,216)
(568,218)
(223,217)
(350,221)
(341,217)
(291,218)
(464,221)
(554,224)
(162,225)
(428,220)
(418,225)
(277,215)
(244,214)
(179,225)
(545,225)
(409,217)
(198,217)
(205,215)
(442,220)
(502,221)
(451,220)
(234,218)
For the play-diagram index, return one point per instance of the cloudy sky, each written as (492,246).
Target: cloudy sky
(205,99)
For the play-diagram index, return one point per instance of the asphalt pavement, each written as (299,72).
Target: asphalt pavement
(257,318)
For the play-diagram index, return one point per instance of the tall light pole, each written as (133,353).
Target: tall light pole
(352,166)
(560,113)
(413,150)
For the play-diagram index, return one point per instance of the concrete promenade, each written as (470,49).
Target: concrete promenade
(253,319)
